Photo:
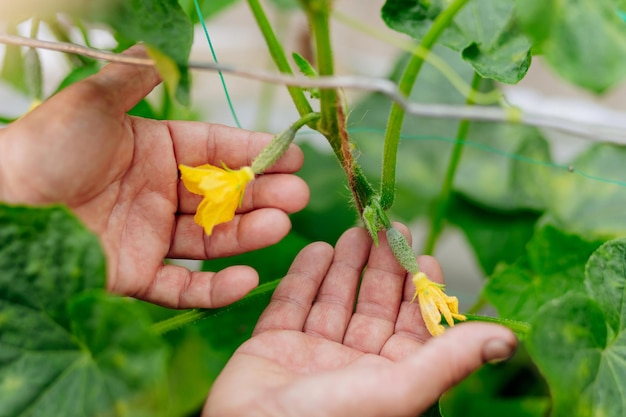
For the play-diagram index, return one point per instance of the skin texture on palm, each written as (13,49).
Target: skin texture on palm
(314,353)
(119,174)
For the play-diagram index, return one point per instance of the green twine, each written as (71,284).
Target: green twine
(208,38)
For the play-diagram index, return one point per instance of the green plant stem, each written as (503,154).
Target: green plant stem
(192,316)
(405,85)
(268,91)
(443,200)
(521,328)
(325,66)
(280,59)
(332,122)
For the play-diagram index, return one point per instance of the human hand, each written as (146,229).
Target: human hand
(119,174)
(312,354)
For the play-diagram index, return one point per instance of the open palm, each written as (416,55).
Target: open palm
(119,175)
(312,353)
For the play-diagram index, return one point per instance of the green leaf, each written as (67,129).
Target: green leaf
(33,75)
(484,31)
(415,18)
(13,64)
(209,8)
(554,265)
(307,70)
(496,168)
(483,22)
(162,25)
(605,281)
(65,347)
(579,341)
(38,260)
(495,236)
(77,74)
(583,40)
(433,411)
(589,202)
(569,344)
(507,61)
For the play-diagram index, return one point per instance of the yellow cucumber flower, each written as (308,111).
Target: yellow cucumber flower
(222,190)
(434,302)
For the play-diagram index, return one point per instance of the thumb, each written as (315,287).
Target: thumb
(122,86)
(366,388)
(447,359)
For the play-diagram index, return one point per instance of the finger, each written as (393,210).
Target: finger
(286,192)
(119,87)
(177,287)
(379,299)
(201,143)
(334,304)
(292,299)
(244,233)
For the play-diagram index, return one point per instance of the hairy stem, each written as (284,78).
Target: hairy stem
(332,123)
(521,328)
(396,115)
(443,200)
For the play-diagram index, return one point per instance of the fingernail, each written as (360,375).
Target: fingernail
(497,350)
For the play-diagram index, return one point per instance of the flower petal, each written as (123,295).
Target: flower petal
(434,302)
(222,189)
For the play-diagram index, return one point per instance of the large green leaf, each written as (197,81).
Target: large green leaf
(579,340)
(554,264)
(583,40)
(66,348)
(590,201)
(497,168)
(484,31)
(495,236)
(162,25)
